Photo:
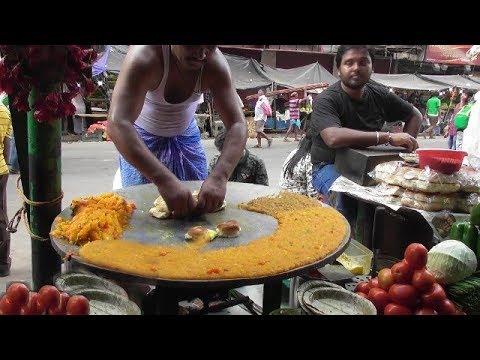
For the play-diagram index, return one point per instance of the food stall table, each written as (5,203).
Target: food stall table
(148,230)
(369,195)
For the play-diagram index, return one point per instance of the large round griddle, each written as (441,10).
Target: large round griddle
(148,230)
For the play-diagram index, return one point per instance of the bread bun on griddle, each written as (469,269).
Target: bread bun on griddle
(230,228)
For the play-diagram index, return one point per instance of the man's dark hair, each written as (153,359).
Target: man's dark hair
(220,139)
(435,93)
(469,93)
(344,48)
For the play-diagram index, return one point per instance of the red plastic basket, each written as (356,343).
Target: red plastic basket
(444,161)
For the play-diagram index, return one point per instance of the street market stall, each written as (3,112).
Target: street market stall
(145,229)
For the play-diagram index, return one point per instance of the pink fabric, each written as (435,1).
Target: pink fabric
(266,108)
(452,130)
(294,108)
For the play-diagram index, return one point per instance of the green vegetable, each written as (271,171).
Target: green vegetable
(451,261)
(457,230)
(466,233)
(466,294)
(475,215)
(470,236)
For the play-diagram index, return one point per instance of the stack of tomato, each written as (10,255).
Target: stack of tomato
(408,288)
(19,300)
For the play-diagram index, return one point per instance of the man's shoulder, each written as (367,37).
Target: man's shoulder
(216,66)
(377,89)
(146,56)
(334,91)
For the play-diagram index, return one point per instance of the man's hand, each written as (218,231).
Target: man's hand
(212,194)
(178,198)
(405,140)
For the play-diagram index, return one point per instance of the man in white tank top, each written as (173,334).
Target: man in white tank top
(155,96)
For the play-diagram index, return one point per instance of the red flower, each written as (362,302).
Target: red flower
(89,86)
(47,68)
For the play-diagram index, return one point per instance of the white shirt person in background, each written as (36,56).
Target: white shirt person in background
(262,110)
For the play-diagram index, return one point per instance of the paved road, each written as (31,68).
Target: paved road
(88,169)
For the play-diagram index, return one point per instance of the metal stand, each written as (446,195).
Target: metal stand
(378,220)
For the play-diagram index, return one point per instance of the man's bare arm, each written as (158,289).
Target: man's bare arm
(413,123)
(338,137)
(136,78)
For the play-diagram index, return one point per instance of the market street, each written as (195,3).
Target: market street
(88,169)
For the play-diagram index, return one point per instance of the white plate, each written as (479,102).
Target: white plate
(330,301)
(313,284)
(72,282)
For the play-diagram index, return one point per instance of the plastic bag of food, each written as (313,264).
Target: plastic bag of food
(442,223)
(429,202)
(469,179)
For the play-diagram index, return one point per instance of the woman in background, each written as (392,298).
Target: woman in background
(296,173)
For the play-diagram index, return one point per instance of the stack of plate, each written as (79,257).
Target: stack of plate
(325,298)
(105,297)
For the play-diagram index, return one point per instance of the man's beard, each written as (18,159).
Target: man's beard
(354,85)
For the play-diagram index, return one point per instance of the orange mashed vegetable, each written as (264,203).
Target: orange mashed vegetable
(306,233)
(102,217)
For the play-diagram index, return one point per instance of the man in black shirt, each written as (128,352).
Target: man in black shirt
(351,113)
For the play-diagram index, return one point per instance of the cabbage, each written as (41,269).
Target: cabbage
(451,261)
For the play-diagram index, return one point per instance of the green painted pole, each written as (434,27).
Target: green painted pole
(20,129)
(44,154)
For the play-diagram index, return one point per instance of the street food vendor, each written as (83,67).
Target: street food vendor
(352,111)
(151,121)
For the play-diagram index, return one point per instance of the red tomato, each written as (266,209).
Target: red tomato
(373,283)
(78,305)
(446,307)
(423,280)
(31,308)
(401,272)
(362,294)
(18,293)
(48,296)
(416,256)
(8,307)
(425,311)
(62,308)
(362,287)
(433,296)
(395,309)
(403,295)
(379,298)
(385,279)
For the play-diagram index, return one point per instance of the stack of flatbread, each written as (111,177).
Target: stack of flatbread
(426,189)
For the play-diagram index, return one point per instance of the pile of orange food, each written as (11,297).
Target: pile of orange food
(284,201)
(102,217)
(306,233)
